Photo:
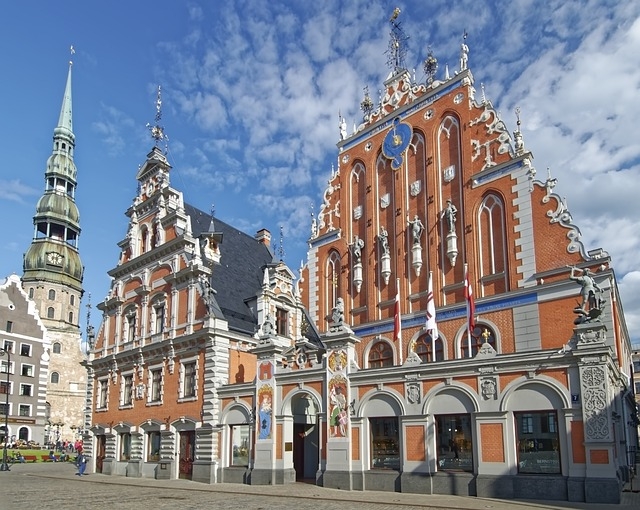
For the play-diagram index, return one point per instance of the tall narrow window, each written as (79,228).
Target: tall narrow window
(125,446)
(9,326)
(52,295)
(102,394)
(156,385)
(153,446)
(240,445)
(54,378)
(56,348)
(493,246)
(51,313)
(282,319)
(72,300)
(333,280)
(189,380)
(127,390)
(158,312)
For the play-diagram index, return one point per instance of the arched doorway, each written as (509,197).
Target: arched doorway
(306,436)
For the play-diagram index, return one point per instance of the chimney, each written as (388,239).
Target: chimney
(264,236)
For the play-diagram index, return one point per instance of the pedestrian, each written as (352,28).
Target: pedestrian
(81,461)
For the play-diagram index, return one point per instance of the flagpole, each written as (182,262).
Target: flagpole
(467,284)
(399,318)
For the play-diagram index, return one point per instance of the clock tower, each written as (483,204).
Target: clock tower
(53,275)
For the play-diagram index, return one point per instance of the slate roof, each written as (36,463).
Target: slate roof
(238,277)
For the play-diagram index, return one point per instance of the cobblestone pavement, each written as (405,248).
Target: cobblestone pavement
(55,486)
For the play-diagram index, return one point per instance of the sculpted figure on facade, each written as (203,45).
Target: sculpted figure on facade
(449,215)
(383,237)
(416,229)
(591,303)
(356,249)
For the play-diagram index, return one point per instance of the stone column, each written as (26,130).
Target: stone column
(341,361)
(268,444)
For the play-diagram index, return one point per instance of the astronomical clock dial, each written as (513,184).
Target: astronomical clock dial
(396,142)
(54,258)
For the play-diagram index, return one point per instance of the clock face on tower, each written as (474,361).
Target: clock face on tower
(54,258)
(396,142)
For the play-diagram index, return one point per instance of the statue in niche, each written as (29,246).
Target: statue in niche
(591,306)
(449,215)
(416,229)
(356,249)
(383,236)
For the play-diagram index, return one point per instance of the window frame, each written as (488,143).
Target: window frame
(155,385)
(454,436)
(127,388)
(26,350)
(124,448)
(385,448)
(26,390)
(538,452)
(383,361)
(28,368)
(28,408)
(153,439)
(102,401)
(239,444)
(188,379)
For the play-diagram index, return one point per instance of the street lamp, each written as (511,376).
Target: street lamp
(5,465)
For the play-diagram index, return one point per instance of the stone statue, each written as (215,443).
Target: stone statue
(356,249)
(590,291)
(464,56)
(416,229)
(449,215)
(383,236)
(337,314)
(343,128)
(269,325)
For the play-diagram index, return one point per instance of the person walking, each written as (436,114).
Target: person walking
(81,461)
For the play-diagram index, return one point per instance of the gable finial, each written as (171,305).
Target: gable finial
(281,247)
(157,131)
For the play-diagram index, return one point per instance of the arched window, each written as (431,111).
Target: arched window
(31,292)
(333,279)
(57,348)
(55,378)
(481,334)
(72,300)
(52,295)
(23,434)
(429,349)
(70,317)
(380,355)
(50,313)
(493,246)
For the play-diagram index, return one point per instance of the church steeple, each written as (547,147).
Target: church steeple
(52,262)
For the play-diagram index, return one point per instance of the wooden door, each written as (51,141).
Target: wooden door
(101,446)
(187,444)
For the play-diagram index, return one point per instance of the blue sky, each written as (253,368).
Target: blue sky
(251,95)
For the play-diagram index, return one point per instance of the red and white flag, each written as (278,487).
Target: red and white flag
(397,327)
(431,325)
(468,295)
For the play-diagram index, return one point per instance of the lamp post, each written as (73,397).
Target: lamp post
(5,465)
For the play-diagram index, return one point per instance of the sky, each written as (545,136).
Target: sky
(252,91)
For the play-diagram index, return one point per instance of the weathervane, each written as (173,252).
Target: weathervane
(157,131)
(367,104)
(397,47)
(430,66)
(281,247)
